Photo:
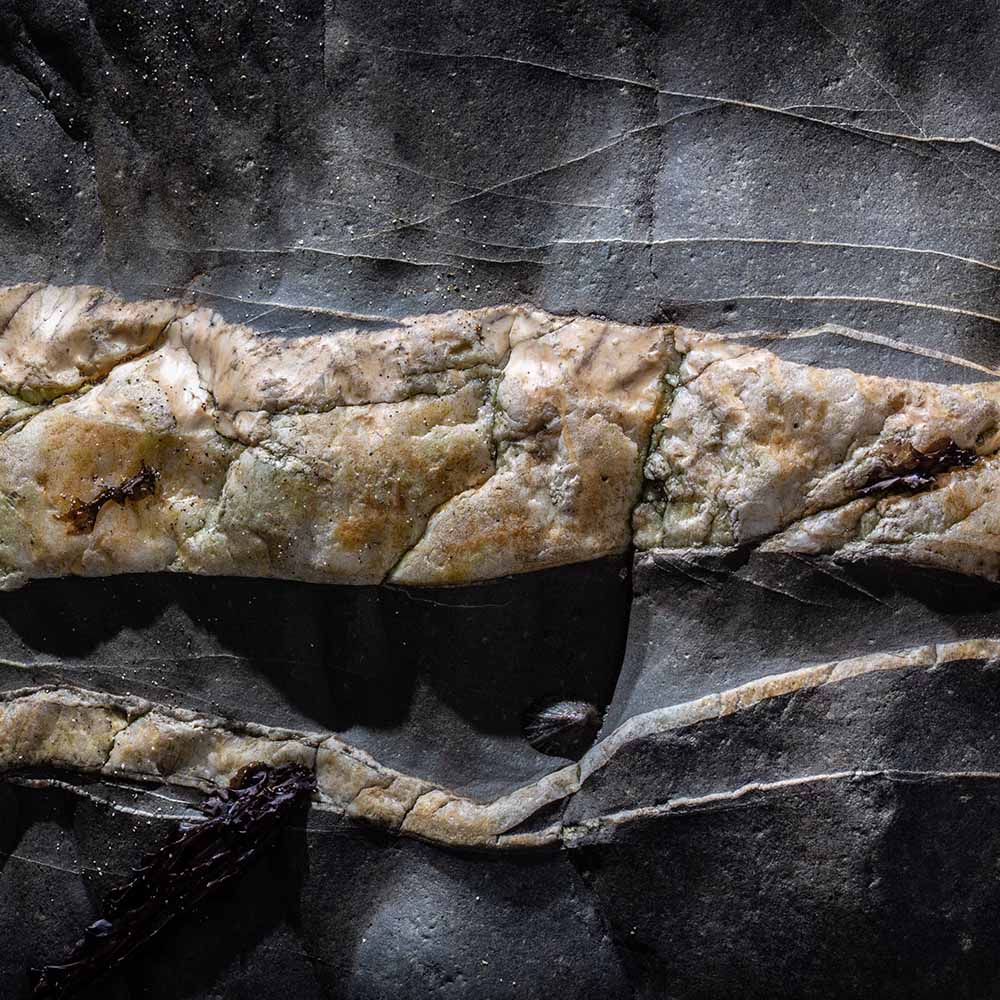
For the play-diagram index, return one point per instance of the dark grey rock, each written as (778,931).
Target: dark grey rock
(928,722)
(869,886)
(434,682)
(706,621)
(752,168)
(329,911)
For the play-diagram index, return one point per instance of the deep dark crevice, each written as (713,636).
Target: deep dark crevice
(435,681)
(35,56)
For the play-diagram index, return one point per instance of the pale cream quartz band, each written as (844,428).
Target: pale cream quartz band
(151,436)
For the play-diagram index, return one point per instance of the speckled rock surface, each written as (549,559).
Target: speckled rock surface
(729,479)
(153,436)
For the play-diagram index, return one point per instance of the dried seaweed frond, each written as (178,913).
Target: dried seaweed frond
(82,514)
(915,470)
(198,859)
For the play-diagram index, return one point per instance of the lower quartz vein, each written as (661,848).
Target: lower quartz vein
(94,733)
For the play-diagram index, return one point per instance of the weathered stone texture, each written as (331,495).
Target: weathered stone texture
(459,447)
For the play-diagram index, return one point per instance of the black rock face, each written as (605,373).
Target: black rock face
(756,169)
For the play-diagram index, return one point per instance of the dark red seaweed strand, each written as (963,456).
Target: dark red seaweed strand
(82,514)
(918,469)
(197,859)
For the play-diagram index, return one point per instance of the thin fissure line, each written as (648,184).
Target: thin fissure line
(685,803)
(653,87)
(866,337)
(878,299)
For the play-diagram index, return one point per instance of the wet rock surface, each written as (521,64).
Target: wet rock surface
(794,792)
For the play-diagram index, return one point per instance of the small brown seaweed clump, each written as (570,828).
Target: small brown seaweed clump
(562,728)
(913,470)
(82,515)
(196,861)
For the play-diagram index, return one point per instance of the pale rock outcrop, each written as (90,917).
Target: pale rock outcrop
(319,458)
(150,436)
(755,450)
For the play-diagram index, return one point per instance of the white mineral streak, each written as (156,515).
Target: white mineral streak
(129,738)
(518,435)
(453,448)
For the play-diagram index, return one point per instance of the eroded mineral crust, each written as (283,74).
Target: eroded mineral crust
(152,436)
(517,434)
(753,450)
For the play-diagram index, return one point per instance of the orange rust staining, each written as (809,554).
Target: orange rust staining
(365,528)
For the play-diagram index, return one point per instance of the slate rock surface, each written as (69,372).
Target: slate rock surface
(801,799)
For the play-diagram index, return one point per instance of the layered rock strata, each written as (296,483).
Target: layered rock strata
(91,732)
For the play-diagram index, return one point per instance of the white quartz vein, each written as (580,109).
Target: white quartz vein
(589,829)
(132,739)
